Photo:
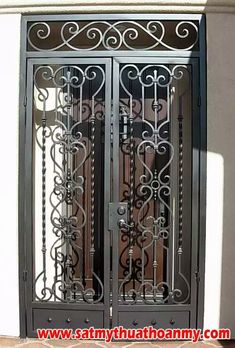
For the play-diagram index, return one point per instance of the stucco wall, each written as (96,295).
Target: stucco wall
(219,289)
(94,6)
(221,141)
(9,114)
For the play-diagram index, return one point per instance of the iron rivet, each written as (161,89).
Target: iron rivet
(49,320)
(121,210)
(86,320)
(172,321)
(135,322)
(68,320)
(153,322)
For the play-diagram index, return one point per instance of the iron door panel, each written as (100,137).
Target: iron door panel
(68,108)
(155,156)
(158,319)
(72,319)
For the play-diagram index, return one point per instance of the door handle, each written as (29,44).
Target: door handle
(123,224)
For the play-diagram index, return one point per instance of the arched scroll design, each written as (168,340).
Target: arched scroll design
(63,146)
(113,36)
(154,222)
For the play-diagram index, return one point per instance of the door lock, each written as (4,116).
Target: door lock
(117,212)
(121,210)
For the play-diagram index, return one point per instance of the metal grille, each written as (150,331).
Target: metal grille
(68,115)
(113,35)
(151,181)
(111,170)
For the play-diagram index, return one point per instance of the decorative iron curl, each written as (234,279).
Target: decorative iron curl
(68,184)
(125,35)
(153,184)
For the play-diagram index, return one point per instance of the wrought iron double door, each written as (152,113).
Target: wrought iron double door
(112,192)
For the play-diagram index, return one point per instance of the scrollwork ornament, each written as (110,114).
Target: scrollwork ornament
(68,216)
(154,183)
(112,36)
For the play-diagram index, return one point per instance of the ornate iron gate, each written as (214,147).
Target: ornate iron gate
(111,172)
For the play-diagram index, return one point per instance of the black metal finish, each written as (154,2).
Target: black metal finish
(117,179)
(126,35)
(57,318)
(158,213)
(202,180)
(159,319)
(64,137)
(69,107)
(21,187)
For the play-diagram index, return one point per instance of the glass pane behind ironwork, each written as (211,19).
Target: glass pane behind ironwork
(155,180)
(68,119)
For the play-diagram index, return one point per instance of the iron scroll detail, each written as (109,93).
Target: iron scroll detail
(128,35)
(60,136)
(154,221)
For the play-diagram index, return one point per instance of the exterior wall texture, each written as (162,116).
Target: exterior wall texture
(9,99)
(220,240)
(106,6)
(220,128)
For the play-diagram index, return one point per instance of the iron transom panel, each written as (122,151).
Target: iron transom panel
(153,34)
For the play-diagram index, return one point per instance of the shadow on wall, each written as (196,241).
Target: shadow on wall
(220,268)
(214,235)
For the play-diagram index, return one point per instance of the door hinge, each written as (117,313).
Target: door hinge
(197,276)
(199,101)
(25,274)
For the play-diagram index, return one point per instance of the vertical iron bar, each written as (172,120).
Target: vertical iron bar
(202,171)
(171,243)
(116,186)
(107,192)
(180,177)
(67,179)
(131,203)
(92,222)
(44,192)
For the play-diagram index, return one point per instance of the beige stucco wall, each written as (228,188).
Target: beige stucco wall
(221,141)
(9,115)
(93,6)
(220,255)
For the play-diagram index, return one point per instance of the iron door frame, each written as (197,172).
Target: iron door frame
(25,56)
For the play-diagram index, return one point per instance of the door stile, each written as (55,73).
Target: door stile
(107,191)
(115,231)
(28,197)
(195,189)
